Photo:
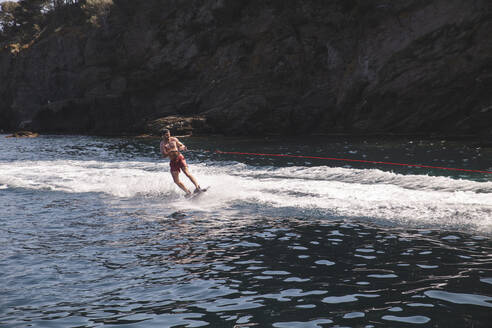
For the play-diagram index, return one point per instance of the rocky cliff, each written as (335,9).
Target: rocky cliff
(259,67)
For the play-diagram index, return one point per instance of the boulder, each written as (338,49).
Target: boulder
(23,134)
(178,125)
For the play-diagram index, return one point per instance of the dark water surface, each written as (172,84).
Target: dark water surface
(94,233)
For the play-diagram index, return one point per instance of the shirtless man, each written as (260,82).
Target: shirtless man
(170,147)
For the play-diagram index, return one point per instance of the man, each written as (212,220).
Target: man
(170,147)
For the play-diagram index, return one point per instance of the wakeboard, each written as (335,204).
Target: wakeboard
(198,193)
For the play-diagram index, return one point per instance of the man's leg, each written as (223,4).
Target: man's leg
(192,178)
(175,175)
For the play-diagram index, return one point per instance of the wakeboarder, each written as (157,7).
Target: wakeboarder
(171,147)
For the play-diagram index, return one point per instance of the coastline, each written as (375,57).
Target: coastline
(485,140)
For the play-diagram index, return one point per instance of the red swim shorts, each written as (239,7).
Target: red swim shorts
(178,163)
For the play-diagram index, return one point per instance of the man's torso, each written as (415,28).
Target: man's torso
(169,146)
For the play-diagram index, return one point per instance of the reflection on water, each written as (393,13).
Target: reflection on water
(193,271)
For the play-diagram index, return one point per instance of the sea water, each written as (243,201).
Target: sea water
(94,233)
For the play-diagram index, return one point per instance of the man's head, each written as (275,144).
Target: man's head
(165,133)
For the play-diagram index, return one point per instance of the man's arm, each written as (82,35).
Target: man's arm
(163,151)
(180,145)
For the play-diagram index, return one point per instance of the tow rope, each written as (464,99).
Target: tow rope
(352,160)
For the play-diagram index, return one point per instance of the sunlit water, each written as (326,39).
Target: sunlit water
(94,233)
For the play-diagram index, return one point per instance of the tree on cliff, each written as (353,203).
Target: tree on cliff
(30,18)
(22,20)
(8,21)
(97,11)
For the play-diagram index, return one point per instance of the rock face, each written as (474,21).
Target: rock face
(259,67)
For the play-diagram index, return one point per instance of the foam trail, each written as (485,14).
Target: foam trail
(120,179)
(370,193)
(414,200)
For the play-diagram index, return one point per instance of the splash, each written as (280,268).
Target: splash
(409,200)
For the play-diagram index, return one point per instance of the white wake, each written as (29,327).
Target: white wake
(402,199)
